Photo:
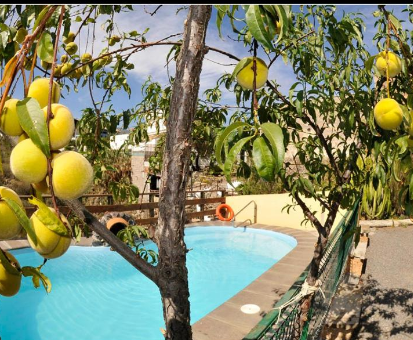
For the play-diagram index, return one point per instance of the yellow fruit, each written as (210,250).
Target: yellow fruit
(28,163)
(113,40)
(61,126)
(22,137)
(72,175)
(9,224)
(21,35)
(388,114)
(45,65)
(245,77)
(97,64)
(86,57)
(58,71)
(86,69)
(66,68)
(49,244)
(42,187)
(64,58)
(9,121)
(395,65)
(78,73)
(39,90)
(71,48)
(107,59)
(70,38)
(9,283)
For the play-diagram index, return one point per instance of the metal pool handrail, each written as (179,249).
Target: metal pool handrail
(248,219)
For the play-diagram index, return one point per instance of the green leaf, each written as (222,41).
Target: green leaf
(284,19)
(271,9)
(243,63)
(257,28)
(411,188)
(275,136)
(221,139)
(369,63)
(49,218)
(45,48)
(22,217)
(360,163)
(37,276)
(40,17)
(395,22)
(263,159)
(308,186)
(7,264)
(232,155)
(221,12)
(32,120)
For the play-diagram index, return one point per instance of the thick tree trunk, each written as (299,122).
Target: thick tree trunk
(172,272)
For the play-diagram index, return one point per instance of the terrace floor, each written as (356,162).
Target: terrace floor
(387,307)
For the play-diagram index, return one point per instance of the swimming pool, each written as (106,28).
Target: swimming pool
(97,295)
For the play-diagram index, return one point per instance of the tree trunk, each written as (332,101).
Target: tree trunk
(315,264)
(172,272)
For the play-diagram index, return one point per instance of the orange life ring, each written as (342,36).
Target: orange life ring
(229,210)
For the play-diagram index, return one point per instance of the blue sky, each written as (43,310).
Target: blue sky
(151,62)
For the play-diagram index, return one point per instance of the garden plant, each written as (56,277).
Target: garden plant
(347,116)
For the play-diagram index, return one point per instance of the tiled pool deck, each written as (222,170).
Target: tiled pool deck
(228,322)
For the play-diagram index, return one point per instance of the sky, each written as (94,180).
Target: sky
(151,61)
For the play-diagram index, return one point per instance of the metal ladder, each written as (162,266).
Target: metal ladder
(248,219)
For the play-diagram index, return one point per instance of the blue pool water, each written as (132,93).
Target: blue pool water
(97,295)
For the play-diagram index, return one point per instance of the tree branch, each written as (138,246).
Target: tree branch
(135,260)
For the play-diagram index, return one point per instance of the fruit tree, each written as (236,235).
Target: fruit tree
(347,117)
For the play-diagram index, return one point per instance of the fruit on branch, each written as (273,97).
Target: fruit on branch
(27,162)
(21,35)
(72,175)
(113,40)
(9,224)
(45,65)
(39,90)
(41,187)
(86,57)
(106,60)
(50,245)
(22,137)
(9,121)
(71,48)
(395,64)
(86,70)
(58,71)
(61,126)
(64,58)
(70,38)
(76,74)
(388,114)
(97,64)
(66,68)
(245,76)
(9,283)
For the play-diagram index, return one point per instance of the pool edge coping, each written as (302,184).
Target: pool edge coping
(227,322)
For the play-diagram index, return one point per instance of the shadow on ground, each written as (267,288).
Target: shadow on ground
(387,313)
